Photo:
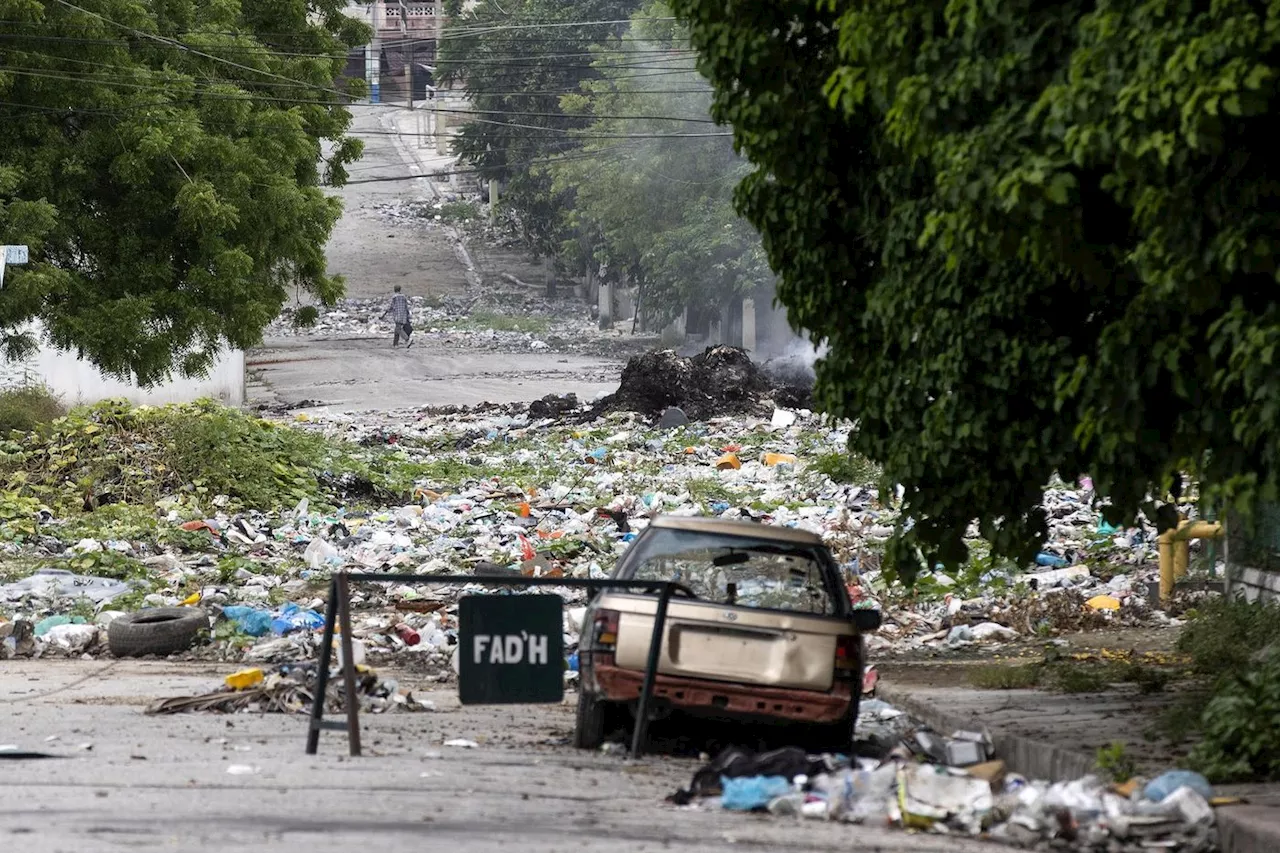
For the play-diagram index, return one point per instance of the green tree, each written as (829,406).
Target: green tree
(164,162)
(660,201)
(1036,238)
(516,58)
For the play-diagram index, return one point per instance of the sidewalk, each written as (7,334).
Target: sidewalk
(1056,736)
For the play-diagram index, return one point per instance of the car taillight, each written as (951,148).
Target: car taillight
(604,631)
(848,664)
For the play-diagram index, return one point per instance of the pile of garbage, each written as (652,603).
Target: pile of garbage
(921,780)
(718,381)
(535,326)
(537,490)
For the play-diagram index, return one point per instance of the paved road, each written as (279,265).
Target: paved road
(357,374)
(371,251)
(375,253)
(161,783)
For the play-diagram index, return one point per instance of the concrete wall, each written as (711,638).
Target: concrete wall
(77,382)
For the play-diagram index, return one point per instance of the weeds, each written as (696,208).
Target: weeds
(27,408)
(1221,635)
(113,454)
(846,468)
(705,490)
(1241,725)
(458,212)
(1116,763)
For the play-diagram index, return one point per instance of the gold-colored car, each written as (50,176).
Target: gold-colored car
(769,633)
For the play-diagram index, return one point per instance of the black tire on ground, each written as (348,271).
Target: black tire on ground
(156,631)
(589,732)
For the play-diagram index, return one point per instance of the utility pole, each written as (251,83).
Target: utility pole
(373,65)
(409,72)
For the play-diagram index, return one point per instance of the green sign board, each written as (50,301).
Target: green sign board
(510,649)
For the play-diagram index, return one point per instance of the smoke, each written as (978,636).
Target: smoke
(794,364)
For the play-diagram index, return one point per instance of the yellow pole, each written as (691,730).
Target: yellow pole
(1164,546)
(1174,549)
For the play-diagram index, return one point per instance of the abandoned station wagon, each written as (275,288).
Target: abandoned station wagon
(768,633)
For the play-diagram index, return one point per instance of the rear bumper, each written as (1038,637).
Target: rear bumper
(809,706)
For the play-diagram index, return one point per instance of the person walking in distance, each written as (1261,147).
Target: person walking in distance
(399,312)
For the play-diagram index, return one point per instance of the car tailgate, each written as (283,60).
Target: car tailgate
(708,640)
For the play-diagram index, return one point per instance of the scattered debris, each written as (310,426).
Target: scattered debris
(951,785)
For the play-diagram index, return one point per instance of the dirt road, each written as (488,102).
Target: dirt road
(151,783)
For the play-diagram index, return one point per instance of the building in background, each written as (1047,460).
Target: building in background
(399,63)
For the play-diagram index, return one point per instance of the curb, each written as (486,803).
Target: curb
(1031,758)
(1241,829)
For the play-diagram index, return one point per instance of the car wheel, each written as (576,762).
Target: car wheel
(589,731)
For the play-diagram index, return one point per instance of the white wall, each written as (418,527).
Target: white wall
(77,381)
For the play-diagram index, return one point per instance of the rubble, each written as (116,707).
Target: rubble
(290,689)
(924,781)
(721,380)
(542,490)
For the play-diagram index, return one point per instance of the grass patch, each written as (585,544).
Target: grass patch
(27,408)
(705,490)
(847,468)
(459,212)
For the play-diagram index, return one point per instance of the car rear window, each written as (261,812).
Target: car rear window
(735,571)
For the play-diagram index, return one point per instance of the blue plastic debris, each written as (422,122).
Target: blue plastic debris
(1166,783)
(573,662)
(752,792)
(1050,561)
(249,620)
(291,617)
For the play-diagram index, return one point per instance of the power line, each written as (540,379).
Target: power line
(207,94)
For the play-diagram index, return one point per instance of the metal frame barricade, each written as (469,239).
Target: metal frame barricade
(339,611)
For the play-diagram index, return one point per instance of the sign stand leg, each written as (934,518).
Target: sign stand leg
(348,666)
(650,674)
(322,671)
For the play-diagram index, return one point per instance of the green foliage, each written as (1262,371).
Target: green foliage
(113,453)
(18,515)
(1035,238)
(1116,763)
(1240,726)
(105,564)
(846,468)
(659,213)
(704,490)
(163,160)
(460,212)
(1221,635)
(515,74)
(610,173)
(23,409)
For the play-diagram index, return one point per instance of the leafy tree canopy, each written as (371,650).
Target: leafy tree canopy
(516,59)
(655,179)
(1037,238)
(163,159)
